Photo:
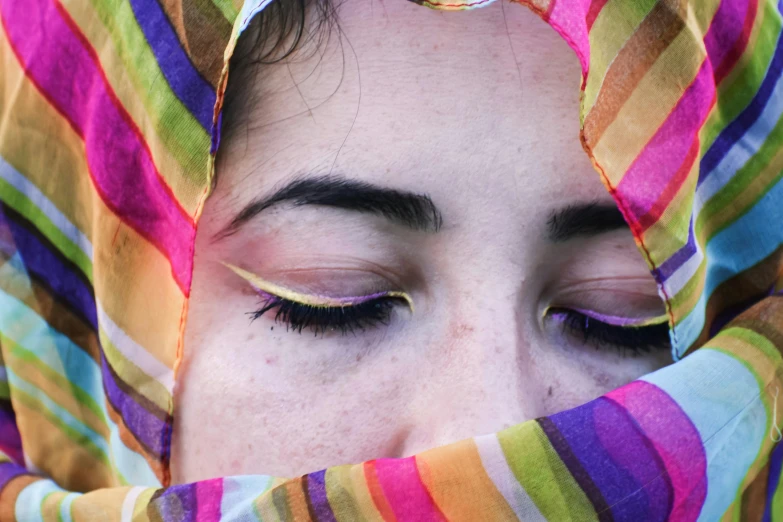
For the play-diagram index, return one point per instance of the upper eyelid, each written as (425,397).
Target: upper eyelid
(311,300)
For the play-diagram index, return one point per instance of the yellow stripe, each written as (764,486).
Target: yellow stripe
(40,144)
(133,283)
(130,373)
(103,505)
(670,232)
(621,143)
(482,500)
(616,22)
(70,465)
(54,386)
(96,32)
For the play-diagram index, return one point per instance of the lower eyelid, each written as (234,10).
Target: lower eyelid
(622,321)
(612,320)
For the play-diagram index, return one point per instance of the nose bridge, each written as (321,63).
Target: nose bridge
(475,380)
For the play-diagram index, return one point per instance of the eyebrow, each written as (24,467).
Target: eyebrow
(584,220)
(415,211)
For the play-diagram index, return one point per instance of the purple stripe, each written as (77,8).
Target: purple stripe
(147,428)
(679,258)
(725,31)
(9,471)
(178,503)
(10,439)
(737,128)
(662,158)
(45,263)
(65,68)
(578,472)
(320,509)
(619,459)
(775,471)
(180,73)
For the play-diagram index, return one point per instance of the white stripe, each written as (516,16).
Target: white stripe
(742,151)
(30,500)
(720,396)
(65,506)
(684,273)
(130,503)
(45,205)
(249,10)
(496,466)
(131,465)
(134,352)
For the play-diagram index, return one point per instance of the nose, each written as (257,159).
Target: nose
(477,379)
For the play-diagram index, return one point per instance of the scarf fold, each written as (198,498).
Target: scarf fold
(109,124)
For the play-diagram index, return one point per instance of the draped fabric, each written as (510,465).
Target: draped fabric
(109,122)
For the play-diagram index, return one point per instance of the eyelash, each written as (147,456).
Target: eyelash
(322,319)
(632,340)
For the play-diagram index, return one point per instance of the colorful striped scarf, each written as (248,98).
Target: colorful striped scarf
(109,122)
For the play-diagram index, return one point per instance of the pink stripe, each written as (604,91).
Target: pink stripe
(568,18)
(653,170)
(728,35)
(209,495)
(676,441)
(406,494)
(64,67)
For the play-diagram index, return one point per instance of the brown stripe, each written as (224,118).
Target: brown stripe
(203,32)
(138,398)
(754,498)
(58,315)
(745,287)
(640,52)
(159,467)
(563,449)
(10,493)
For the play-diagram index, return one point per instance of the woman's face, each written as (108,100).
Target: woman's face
(411,201)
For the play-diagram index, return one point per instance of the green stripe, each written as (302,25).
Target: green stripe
(79,439)
(129,372)
(537,467)
(22,204)
(68,388)
(741,85)
(178,130)
(686,292)
(615,14)
(227,8)
(724,200)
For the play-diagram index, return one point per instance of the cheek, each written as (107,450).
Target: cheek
(571,378)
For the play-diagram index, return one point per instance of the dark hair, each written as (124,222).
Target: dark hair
(283,28)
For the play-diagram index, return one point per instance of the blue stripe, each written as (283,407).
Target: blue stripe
(32,334)
(737,128)
(721,397)
(185,80)
(62,277)
(736,248)
(775,470)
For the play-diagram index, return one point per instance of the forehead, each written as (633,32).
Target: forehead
(399,89)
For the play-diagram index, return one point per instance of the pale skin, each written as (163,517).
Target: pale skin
(478,110)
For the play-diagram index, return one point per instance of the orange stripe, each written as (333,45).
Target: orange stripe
(482,500)
(376,491)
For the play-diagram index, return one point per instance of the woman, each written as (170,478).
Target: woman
(436,310)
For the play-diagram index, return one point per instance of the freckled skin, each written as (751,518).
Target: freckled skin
(445,110)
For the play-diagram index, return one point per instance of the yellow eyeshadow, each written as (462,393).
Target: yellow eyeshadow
(312,300)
